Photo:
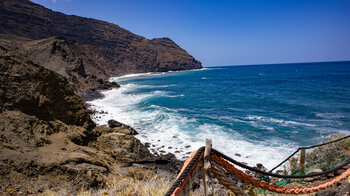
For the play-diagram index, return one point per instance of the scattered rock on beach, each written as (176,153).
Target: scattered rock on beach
(147,144)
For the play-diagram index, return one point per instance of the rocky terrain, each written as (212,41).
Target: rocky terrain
(63,56)
(114,50)
(47,138)
(51,62)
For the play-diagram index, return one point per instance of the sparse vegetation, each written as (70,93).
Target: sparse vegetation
(153,185)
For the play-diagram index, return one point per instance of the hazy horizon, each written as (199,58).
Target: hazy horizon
(291,63)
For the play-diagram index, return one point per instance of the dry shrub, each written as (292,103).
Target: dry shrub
(123,186)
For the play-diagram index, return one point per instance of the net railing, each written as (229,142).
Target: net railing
(307,170)
(326,160)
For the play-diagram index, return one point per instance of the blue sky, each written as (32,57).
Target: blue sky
(231,32)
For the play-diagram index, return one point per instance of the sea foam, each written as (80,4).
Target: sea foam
(169,131)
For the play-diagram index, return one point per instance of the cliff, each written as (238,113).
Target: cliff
(47,139)
(63,56)
(114,50)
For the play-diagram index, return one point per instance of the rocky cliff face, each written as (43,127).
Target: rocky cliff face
(48,59)
(47,139)
(37,91)
(63,56)
(115,50)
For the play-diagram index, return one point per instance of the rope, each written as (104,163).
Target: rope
(317,145)
(227,182)
(271,187)
(224,161)
(308,147)
(182,178)
(277,175)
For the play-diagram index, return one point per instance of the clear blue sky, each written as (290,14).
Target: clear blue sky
(231,32)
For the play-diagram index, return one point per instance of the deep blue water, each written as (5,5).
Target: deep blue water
(262,112)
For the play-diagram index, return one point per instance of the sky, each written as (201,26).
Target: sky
(231,32)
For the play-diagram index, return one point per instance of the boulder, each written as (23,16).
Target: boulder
(116,124)
(123,147)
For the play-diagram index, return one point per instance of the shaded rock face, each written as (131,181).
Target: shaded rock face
(36,91)
(115,50)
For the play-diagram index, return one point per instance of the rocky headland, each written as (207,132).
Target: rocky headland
(115,50)
(50,64)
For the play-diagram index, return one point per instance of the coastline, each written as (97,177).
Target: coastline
(97,93)
(160,108)
(176,143)
(94,94)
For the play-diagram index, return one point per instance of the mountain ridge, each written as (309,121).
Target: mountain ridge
(120,50)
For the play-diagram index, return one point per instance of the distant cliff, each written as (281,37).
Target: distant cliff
(114,50)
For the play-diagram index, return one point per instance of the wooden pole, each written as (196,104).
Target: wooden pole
(208,188)
(302,161)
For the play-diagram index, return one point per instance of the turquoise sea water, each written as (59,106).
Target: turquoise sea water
(261,112)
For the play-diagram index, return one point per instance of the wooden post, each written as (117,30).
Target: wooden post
(208,188)
(187,188)
(302,161)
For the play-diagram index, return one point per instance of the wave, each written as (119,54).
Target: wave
(148,74)
(330,115)
(169,130)
(281,122)
(135,75)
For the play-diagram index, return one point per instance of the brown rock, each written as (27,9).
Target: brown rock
(120,126)
(45,130)
(123,147)
(114,50)
(39,92)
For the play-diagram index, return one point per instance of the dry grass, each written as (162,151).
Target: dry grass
(143,183)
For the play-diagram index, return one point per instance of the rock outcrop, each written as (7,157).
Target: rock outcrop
(114,50)
(47,138)
(63,56)
(48,59)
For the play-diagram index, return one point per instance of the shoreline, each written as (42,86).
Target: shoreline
(96,93)
(181,147)
(93,94)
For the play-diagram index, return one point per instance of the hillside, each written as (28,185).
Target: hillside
(63,56)
(48,140)
(114,50)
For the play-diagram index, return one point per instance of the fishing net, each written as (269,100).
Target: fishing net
(323,159)
(307,170)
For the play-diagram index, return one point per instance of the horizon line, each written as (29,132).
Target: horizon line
(307,62)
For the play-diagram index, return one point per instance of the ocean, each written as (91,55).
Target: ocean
(255,114)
